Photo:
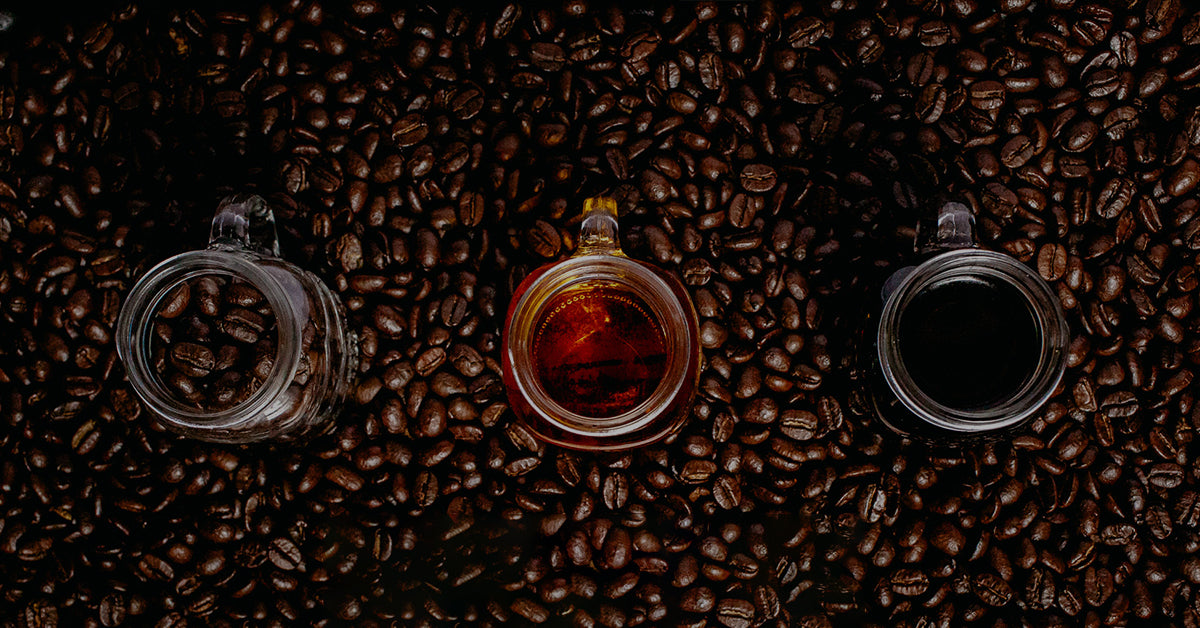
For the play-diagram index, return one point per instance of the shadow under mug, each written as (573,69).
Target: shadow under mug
(304,377)
(969,342)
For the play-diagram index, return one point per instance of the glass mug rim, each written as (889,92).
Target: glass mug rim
(134,330)
(1048,317)
(669,313)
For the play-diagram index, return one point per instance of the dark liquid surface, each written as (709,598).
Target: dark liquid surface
(599,352)
(969,343)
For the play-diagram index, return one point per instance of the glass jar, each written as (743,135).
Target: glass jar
(234,344)
(601,352)
(969,343)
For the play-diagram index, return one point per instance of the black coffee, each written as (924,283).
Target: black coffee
(969,342)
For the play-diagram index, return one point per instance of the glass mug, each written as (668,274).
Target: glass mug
(969,342)
(234,344)
(601,352)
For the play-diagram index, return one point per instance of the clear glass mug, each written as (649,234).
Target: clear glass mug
(600,351)
(234,344)
(969,342)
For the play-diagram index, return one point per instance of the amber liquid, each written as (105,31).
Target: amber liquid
(598,351)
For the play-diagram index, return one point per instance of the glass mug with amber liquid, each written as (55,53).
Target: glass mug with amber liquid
(600,351)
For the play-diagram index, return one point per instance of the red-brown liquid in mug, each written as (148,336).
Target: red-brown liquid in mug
(598,352)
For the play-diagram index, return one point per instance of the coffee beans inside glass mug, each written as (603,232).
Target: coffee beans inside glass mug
(215,341)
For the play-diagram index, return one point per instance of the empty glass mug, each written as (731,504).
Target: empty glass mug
(234,344)
(600,351)
(969,342)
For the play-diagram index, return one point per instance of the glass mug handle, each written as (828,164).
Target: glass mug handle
(599,235)
(244,222)
(948,226)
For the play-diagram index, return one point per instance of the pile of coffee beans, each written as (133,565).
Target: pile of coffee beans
(423,160)
(215,342)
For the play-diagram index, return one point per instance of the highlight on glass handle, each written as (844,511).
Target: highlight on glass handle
(599,235)
(947,225)
(244,221)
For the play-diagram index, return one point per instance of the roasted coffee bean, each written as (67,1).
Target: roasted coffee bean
(758,178)
(908,582)
(1017,151)
(697,600)
(1052,261)
(735,613)
(285,555)
(112,610)
(192,359)
(176,302)
(1079,136)
(993,590)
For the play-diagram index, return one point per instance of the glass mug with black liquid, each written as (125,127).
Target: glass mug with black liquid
(969,343)
(600,351)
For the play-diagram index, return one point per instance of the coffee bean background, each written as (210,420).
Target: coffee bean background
(423,160)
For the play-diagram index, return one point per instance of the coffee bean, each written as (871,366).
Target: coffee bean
(727,492)
(285,555)
(735,613)
(192,359)
(1183,178)
(697,600)
(155,568)
(1079,136)
(530,610)
(1165,475)
(987,95)
(758,178)
(1017,151)
(409,130)
(1114,198)
(112,610)
(617,549)
(909,582)
(176,302)
(544,239)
